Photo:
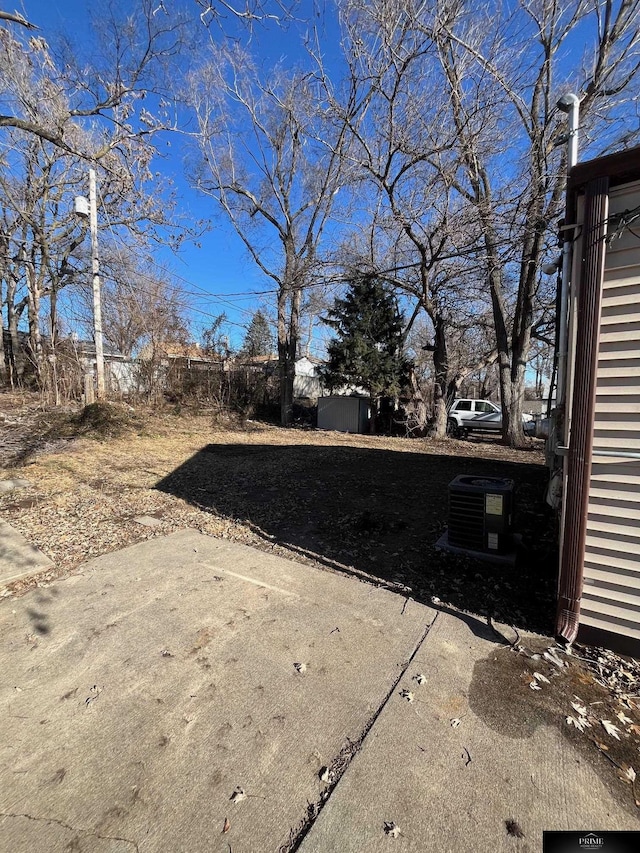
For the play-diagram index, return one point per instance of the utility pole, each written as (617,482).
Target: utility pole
(95,282)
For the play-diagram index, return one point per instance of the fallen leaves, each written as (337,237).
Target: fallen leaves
(407,694)
(610,729)
(392,829)
(552,656)
(577,706)
(627,773)
(580,723)
(420,679)
(300,667)
(623,718)
(513,828)
(238,795)
(226,826)
(455,722)
(325,774)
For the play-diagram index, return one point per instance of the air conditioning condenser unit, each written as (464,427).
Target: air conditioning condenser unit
(481,514)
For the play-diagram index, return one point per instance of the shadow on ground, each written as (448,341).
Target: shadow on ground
(380,511)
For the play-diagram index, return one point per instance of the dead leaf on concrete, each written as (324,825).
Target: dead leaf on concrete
(420,679)
(324,774)
(227,825)
(627,773)
(610,729)
(580,723)
(455,722)
(300,667)
(623,718)
(513,828)
(407,694)
(166,653)
(238,795)
(391,828)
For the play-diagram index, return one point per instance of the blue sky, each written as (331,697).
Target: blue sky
(217,272)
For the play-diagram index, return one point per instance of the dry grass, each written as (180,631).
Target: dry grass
(372,505)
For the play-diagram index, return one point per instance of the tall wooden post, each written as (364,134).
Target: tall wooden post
(95,282)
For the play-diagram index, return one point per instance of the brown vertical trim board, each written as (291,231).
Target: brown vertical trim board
(584,393)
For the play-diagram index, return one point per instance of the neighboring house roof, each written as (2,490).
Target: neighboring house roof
(174,351)
(191,351)
(254,360)
(88,350)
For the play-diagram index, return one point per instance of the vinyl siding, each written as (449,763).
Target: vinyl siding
(611,592)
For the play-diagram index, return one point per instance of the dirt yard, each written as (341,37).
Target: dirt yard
(368,505)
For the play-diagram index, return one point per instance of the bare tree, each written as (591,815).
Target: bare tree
(512,71)
(142,306)
(415,233)
(490,130)
(124,85)
(274,164)
(44,241)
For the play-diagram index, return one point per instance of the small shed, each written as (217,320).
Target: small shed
(344,414)
(599,588)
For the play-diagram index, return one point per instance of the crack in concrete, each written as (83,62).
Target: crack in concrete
(344,758)
(73,828)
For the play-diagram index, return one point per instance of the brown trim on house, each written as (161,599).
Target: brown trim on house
(619,643)
(584,393)
(620,168)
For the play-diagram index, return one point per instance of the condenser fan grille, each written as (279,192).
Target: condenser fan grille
(466,520)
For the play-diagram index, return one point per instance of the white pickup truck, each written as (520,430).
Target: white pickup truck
(467,416)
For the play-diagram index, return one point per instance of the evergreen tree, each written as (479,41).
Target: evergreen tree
(368,350)
(258,339)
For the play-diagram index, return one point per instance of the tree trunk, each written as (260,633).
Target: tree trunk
(4,251)
(3,358)
(512,430)
(33,315)
(441,369)
(54,341)
(288,335)
(418,403)
(16,355)
(511,363)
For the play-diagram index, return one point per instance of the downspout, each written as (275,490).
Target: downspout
(578,461)
(569,104)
